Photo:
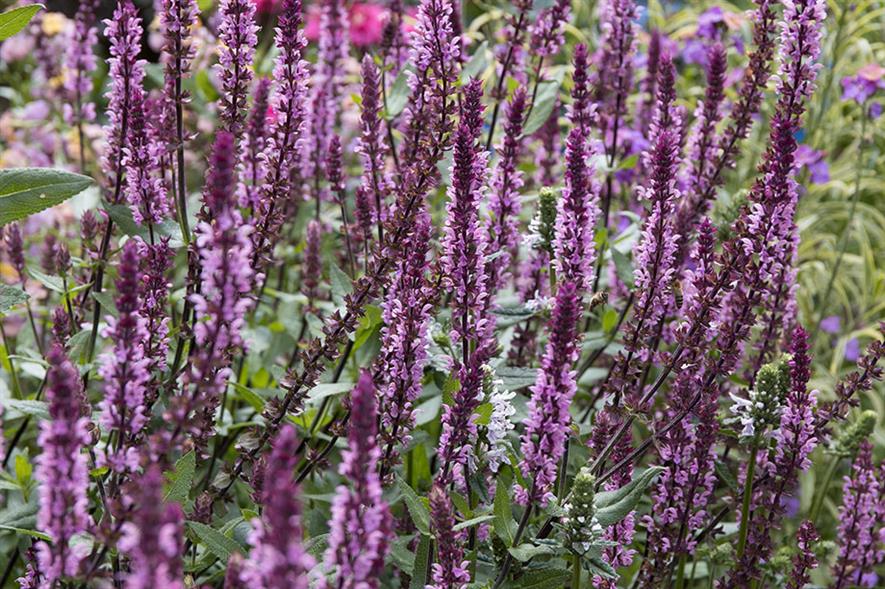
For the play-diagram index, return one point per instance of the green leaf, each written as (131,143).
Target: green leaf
(341,283)
(217,543)
(53,283)
(543,578)
(25,191)
(623,266)
(37,409)
(398,95)
(329,389)
(598,567)
(526,552)
(477,64)
(106,301)
(11,296)
(516,377)
(26,532)
(23,469)
(508,316)
(249,396)
(473,522)
(422,564)
(21,516)
(548,92)
(504,525)
(13,21)
(182,478)
(609,320)
(613,506)
(417,509)
(122,216)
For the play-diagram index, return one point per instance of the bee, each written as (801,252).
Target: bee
(677,294)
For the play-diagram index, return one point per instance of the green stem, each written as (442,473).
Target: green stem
(576,571)
(821,492)
(843,240)
(680,572)
(748,495)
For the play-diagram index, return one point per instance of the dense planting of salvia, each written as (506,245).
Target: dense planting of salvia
(419,312)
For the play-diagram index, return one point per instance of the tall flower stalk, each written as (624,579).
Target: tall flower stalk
(62,471)
(178,19)
(80,63)
(237,33)
(361,521)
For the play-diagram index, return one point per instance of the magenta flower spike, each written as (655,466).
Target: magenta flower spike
(361,521)
(237,32)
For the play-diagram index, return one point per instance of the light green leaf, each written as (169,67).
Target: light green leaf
(37,409)
(25,191)
(516,377)
(613,506)
(53,283)
(545,100)
(475,521)
(477,64)
(217,543)
(341,283)
(181,479)
(13,21)
(417,509)
(11,296)
(398,95)
(106,301)
(525,552)
(329,389)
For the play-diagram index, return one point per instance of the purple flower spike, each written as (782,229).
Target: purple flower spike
(145,190)
(237,34)
(858,521)
(251,170)
(578,207)
(805,560)
(546,431)
(79,65)
(372,147)
(126,73)
(278,559)
(286,133)
(125,368)
(153,539)
(504,204)
(404,340)
(361,522)
(227,277)
(450,571)
(62,472)
(464,250)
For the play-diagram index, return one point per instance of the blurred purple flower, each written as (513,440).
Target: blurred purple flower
(818,169)
(831,324)
(852,350)
(860,87)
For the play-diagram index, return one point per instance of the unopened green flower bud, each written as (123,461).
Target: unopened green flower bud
(850,438)
(581,526)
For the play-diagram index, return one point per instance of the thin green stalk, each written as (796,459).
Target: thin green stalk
(821,492)
(748,495)
(576,571)
(843,239)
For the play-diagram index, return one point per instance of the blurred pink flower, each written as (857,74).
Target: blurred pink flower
(366,23)
(267,6)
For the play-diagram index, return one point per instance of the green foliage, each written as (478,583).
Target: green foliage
(14,20)
(25,191)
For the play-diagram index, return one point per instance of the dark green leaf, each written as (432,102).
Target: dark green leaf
(417,509)
(217,543)
(516,377)
(13,21)
(422,564)
(504,525)
(623,267)
(25,191)
(26,532)
(544,578)
(341,284)
(106,301)
(613,506)
(122,216)
(53,283)
(11,296)
(182,478)
(473,522)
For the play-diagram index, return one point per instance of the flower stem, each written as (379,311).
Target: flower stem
(821,493)
(576,571)
(748,495)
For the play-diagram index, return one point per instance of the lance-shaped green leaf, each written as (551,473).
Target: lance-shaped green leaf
(11,296)
(613,506)
(13,21)
(25,191)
